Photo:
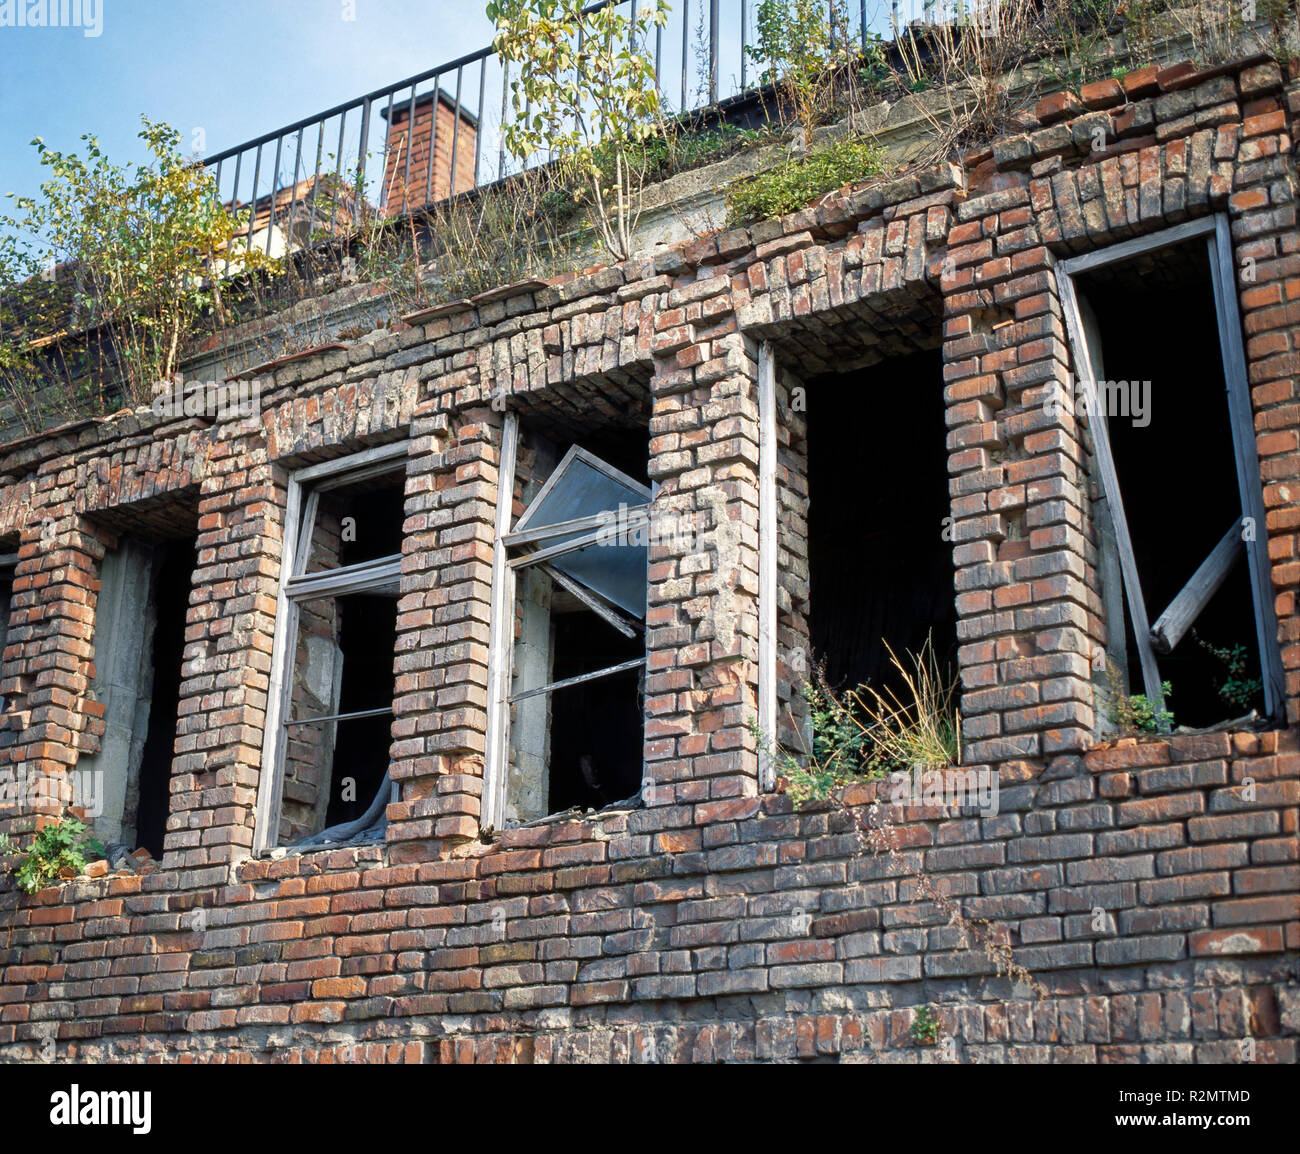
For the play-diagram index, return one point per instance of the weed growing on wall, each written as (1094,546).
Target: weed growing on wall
(868,732)
(799,180)
(925,1026)
(61,849)
(1135,713)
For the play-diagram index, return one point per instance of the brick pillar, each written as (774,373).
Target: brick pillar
(48,720)
(702,627)
(229,633)
(1266,255)
(1029,616)
(443,632)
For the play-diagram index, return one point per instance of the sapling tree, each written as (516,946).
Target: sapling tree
(800,46)
(131,251)
(584,96)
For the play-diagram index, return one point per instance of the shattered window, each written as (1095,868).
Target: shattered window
(335,697)
(578,556)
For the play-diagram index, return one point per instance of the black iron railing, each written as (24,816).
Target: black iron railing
(322,172)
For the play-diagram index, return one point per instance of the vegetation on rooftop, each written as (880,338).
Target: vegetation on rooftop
(113,276)
(800,179)
(122,250)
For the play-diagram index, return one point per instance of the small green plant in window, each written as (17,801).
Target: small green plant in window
(1134,713)
(1236,689)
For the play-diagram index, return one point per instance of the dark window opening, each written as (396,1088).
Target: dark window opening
(139,639)
(358,524)
(367,639)
(879,562)
(596,727)
(1155,326)
(8,560)
(173,572)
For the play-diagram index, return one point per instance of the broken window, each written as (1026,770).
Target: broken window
(139,649)
(330,718)
(1161,378)
(853,562)
(568,651)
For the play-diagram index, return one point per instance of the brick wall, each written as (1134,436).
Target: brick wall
(1149,886)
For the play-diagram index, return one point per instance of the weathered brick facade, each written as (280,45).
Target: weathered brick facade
(715,922)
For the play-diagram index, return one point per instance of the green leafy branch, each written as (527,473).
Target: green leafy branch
(582,86)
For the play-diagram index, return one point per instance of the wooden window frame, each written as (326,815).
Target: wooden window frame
(305,487)
(505,570)
(1204,582)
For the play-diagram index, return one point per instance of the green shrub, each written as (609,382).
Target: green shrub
(1237,690)
(62,845)
(800,180)
(1135,713)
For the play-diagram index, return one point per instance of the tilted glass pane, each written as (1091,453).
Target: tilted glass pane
(615,567)
(579,489)
(616,572)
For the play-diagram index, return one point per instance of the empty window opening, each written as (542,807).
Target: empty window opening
(173,576)
(330,745)
(139,651)
(571,723)
(879,560)
(8,562)
(1163,389)
(344,674)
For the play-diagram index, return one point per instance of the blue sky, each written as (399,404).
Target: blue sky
(225,71)
(234,68)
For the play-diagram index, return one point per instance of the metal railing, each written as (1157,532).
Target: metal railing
(320,173)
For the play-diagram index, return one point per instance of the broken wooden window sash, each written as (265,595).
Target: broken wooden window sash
(1174,622)
(380,576)
(578,525)
(297,587)
(597,604)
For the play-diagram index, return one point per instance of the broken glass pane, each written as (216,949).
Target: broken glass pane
(581,486)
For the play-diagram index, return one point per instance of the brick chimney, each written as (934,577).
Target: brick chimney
(397,195)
